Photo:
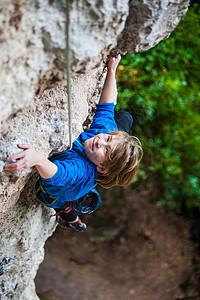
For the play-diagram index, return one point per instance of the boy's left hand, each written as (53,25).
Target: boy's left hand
(24,159)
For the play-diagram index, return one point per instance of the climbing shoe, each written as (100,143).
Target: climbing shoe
(78,225)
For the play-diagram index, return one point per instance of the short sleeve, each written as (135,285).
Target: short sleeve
(67,173)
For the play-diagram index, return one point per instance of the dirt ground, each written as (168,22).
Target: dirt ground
(136,251)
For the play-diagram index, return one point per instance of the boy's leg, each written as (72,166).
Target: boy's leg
(69,217)
(69,220)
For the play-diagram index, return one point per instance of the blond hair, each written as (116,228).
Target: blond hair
(122,161)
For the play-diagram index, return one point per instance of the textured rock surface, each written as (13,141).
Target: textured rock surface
(23,234)
(32,59)
(33,44)
(149,22)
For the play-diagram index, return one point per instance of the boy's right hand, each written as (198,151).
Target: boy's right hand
(24,159)
(113,63)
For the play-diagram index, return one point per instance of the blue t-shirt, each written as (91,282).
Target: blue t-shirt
(75,172)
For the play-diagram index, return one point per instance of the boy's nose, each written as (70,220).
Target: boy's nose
(99,143)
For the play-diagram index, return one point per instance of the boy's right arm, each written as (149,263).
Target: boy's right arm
(29,158)
(108,92)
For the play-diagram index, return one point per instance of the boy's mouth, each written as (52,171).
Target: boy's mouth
(92,144)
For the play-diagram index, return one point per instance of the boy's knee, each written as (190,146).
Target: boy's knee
(124,120)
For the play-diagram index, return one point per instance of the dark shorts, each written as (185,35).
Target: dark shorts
(42,195)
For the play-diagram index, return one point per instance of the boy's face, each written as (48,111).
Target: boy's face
(97,147)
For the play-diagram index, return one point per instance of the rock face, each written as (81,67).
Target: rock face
(33,44)
(33,59)
(149,22)
(23,238)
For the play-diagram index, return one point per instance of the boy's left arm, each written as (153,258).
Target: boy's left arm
(29,158)
(108,92)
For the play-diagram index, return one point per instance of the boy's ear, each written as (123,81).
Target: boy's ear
(101,169)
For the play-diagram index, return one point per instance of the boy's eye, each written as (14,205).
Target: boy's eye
(108,138)
(106,150)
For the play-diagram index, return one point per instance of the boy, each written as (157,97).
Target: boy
(101,155)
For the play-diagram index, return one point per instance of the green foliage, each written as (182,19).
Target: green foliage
(160,88)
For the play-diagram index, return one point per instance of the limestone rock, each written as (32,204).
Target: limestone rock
(23,234)
(33,44)
(24,60)
(149,22)
(94,29)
